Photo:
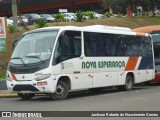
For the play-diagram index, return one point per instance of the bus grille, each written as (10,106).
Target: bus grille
(24,88)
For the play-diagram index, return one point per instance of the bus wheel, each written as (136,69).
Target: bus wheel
(26,96)
(128,84)
(61,91)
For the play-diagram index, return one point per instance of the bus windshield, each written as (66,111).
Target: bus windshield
(34,47)
(156,43)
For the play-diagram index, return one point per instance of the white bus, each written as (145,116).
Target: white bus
(59,60)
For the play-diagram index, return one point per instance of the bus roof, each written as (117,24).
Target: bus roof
(104,27)
(147,29)
(94,28)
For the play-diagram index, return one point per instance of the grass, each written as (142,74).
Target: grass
(121,22)
(3,75)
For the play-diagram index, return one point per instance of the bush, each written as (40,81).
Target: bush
(79,16)
(11,29)
(107,14)
(91,15)
(59,17)
(2,75)
(41,23)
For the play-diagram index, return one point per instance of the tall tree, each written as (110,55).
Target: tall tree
(121,5)
(115,5)
(154,3)
(14,13)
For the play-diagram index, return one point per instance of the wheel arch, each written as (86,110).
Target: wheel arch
(132,75)
(65,79)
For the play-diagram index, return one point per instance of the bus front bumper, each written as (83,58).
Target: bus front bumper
(29,87)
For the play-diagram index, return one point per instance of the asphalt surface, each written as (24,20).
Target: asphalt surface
(141,98)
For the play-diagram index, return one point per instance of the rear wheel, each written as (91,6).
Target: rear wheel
(61,91)
(26,96)
(128,84)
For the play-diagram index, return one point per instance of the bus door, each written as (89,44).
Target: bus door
(68,60)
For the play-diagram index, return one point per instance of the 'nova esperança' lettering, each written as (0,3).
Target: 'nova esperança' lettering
(103,64)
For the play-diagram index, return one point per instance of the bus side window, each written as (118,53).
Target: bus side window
(145,46)
(120,51)
(68,46)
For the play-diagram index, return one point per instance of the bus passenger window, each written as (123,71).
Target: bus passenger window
(68,46)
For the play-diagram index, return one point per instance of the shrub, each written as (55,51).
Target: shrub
(41,23)
(79,16)
(11,29)
(59,17)
(91,15)
(107,14)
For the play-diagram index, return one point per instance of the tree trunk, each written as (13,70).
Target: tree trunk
(14,14)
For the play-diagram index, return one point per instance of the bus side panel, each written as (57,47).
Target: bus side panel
(145,69)
(121,77)
(72,68)
(104,79)
(106,70)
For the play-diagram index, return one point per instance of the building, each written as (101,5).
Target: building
(49,6)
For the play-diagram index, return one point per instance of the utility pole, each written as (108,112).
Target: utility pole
(14,14)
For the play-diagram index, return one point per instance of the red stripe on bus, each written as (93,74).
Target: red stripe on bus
(13,76)
(131,64)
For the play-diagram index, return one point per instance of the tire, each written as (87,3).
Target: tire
(61,93)
(26,96)
(128,84)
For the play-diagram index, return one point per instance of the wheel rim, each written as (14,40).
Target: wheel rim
(59,90)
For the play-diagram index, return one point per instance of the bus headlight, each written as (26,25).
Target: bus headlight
(42,77)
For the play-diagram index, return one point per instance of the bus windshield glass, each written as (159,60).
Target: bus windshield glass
(34,47)
(156,43)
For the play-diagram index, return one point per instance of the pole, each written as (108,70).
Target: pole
(14,13)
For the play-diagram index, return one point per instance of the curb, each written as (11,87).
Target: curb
(8,95)
(15,95)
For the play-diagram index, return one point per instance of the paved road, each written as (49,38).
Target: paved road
(141,98)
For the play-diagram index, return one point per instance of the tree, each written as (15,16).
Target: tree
(122,5)
(14,13)
(114,5)
(154,3)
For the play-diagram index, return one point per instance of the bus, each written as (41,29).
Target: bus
(60,60)
(155,33)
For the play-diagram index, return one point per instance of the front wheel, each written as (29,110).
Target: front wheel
(26,96)
(61,91)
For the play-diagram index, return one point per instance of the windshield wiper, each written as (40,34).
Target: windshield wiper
(35,57)
(19,58)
